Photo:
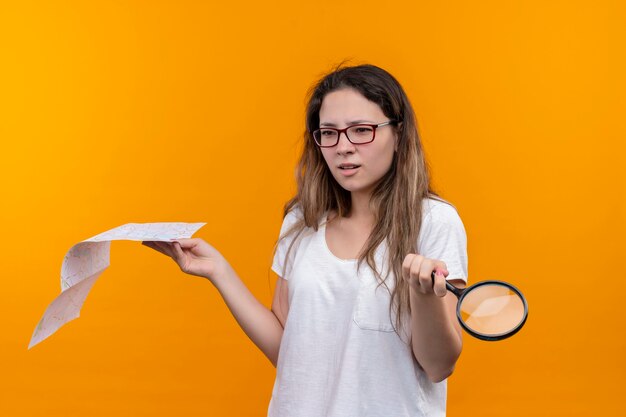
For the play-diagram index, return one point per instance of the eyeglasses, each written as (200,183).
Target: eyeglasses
(327,137)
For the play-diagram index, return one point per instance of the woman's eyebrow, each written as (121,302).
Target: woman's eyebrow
(354,122)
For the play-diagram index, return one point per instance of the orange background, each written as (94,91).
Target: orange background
(116,111)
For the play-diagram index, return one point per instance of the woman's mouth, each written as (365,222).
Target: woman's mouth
(348,169)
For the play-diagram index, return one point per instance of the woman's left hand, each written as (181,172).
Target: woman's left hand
(417,270)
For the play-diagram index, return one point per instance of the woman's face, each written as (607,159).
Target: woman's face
(346,107)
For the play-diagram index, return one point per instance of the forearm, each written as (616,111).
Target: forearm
(436,340)
(256,320)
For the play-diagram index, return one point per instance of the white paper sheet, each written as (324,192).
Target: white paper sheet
(84,263)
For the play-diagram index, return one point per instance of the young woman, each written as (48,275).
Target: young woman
(361,323)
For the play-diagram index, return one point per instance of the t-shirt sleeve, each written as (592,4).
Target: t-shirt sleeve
(278,264)
(443,237)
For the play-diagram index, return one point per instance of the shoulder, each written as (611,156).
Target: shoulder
(296,215)
(290,220)
(436,211)
(292,216)
(440,222)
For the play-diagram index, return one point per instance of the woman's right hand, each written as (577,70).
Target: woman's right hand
(193,256)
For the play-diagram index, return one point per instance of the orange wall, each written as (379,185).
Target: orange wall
(117,112)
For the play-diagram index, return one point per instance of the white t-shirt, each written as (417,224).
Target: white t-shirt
(339,355)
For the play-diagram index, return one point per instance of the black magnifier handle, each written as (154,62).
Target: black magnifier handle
(454,290)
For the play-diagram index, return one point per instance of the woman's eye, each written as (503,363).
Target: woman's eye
(363,130)
(328,132)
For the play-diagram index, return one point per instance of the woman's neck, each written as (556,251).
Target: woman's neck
(361,211)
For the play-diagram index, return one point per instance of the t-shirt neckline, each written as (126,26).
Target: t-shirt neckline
(325,243)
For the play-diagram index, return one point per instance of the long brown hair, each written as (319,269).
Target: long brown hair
(396,199)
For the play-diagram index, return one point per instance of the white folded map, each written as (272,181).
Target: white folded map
(84,263)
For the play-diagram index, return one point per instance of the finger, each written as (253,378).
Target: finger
(178,254)
(414,274)
(165,247)
(188,243)
(406,266)
(153,245)
(441,265)
(425,275)
(439,284)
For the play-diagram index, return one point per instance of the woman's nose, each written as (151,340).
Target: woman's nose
(344,145)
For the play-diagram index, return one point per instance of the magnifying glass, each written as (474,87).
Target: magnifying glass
(490,310)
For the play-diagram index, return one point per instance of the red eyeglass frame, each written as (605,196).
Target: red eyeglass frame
(345,132)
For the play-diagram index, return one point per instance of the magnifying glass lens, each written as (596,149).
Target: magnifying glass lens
(492,309)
